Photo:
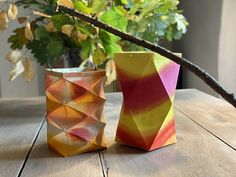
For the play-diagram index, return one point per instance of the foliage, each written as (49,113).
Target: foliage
(51,33)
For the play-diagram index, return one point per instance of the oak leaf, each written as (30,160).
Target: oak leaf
(67,3)
(41,14)
(14,56)
(28,73)
(12,12)
(18,69)
(50,27)
(3,20)
(67,29)
(110,72)
(28,32)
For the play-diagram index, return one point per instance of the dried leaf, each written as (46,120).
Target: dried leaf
(67,3)
(3,20)
(67,29)
(14,56)
(81,36)
(110,72)
(50,27)
(12,12)
(22,20)
(28,33)
(18,69)
(28,74)
(41,14)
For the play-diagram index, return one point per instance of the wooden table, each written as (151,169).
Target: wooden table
(206,134)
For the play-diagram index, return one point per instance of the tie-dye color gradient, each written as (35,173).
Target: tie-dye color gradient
(148,82)
(75,104)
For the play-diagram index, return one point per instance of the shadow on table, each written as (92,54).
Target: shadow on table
(123,160)
(44,161)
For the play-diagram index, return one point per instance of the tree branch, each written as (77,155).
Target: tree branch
(207,78)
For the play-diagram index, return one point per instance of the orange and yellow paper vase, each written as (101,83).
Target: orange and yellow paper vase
(148,82)
(75,102)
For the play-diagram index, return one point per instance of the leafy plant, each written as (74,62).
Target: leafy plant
(51,33)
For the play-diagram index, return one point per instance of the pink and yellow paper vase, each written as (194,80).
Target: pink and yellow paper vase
(75,102)
(148,82)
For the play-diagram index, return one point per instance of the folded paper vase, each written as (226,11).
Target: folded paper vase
(148,82)
(75,102)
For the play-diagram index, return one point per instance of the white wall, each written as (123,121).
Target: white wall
(201,43)
(17,88)
(227,49)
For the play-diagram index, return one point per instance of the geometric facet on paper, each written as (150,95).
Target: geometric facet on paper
(75,101)
(148,82)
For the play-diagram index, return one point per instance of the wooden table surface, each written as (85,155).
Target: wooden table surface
(206,147)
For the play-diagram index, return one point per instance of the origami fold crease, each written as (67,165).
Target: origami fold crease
(75,102)
(148,82)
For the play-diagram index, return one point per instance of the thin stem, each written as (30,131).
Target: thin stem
(199,72)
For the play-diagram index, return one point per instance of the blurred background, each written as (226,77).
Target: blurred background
(210,42)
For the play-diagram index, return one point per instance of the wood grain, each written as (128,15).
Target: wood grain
(197,152)
(215,115)
(44,162)
(205,134)
(20,120)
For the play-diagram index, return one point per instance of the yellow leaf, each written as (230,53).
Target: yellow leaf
(14,56)
(99,56)
(50,27)
(41,14)
(81,36)
(110,72)
(12,12)
(28,74)
(78,36)
(3,20)
(18,69)
(67,3)
(28,33)
(67,29)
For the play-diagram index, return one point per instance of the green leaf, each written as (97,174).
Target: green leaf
(169,33)
(98,6)
(47,48)
(124,2)
(41,32)
(114,48)
(99,56)
(181,23)
(39,51)
(55,49)
(110,46)
(60,20)
(81,7)
(86,47)
(120,2)
(149,7)
(116,18)
(18,39)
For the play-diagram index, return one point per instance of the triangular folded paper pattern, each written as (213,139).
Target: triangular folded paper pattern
(75,104)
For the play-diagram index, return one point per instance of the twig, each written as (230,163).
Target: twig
(207,78)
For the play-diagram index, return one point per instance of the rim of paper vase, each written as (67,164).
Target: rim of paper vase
(74,70)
